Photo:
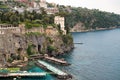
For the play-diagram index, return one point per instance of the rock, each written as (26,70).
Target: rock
(14,46)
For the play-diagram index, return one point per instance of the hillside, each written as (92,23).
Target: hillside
(76,17)
(86,19)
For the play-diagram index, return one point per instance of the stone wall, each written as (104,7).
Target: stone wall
(8,28)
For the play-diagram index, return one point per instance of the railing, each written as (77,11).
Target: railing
(23,74)
(51,68)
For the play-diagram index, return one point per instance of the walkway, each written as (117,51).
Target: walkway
(26,74)
(56,60)
(53,69)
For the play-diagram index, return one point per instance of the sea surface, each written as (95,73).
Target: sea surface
(98,58)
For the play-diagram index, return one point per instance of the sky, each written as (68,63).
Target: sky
(104,5)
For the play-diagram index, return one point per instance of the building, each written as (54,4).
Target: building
(9,28)
(43,3)
(35,5)
(19,9)
(60,21)
(40,4)
(52,10)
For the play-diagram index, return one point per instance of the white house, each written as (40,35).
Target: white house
(60,21)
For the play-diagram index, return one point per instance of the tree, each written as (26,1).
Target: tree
(14,19)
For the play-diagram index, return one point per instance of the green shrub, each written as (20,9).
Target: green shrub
(30,49)
(50,49)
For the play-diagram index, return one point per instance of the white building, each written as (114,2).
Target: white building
(36,5)
(19,9)
(52,10)
(43,3)
(40,4)
(60,21)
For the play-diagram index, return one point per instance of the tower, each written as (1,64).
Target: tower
(60,21)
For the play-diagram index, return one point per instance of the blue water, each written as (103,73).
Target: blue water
(38,69)
(98,58)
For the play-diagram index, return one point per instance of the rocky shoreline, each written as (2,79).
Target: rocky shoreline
(91,30)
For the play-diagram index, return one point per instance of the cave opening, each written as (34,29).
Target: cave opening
(39,48)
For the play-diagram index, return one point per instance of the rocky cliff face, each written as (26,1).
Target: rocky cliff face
(80,27)
(20,46)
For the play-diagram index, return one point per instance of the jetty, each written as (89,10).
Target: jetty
(78,43)
(57,61)
(57,72)
(49,59)
(26,74)
(36,56)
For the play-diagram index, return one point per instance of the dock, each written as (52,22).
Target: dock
(78,43)
(57,72)
(50,59)
(37,56)
(57,61)
(26,74)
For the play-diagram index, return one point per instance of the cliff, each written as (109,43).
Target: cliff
(80,27)
(21,46)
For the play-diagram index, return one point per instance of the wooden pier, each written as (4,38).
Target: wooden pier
(57,61)
(60,74)
(50,59)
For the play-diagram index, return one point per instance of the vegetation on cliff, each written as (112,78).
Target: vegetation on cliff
(52,45)
(91,18)
(31,19)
